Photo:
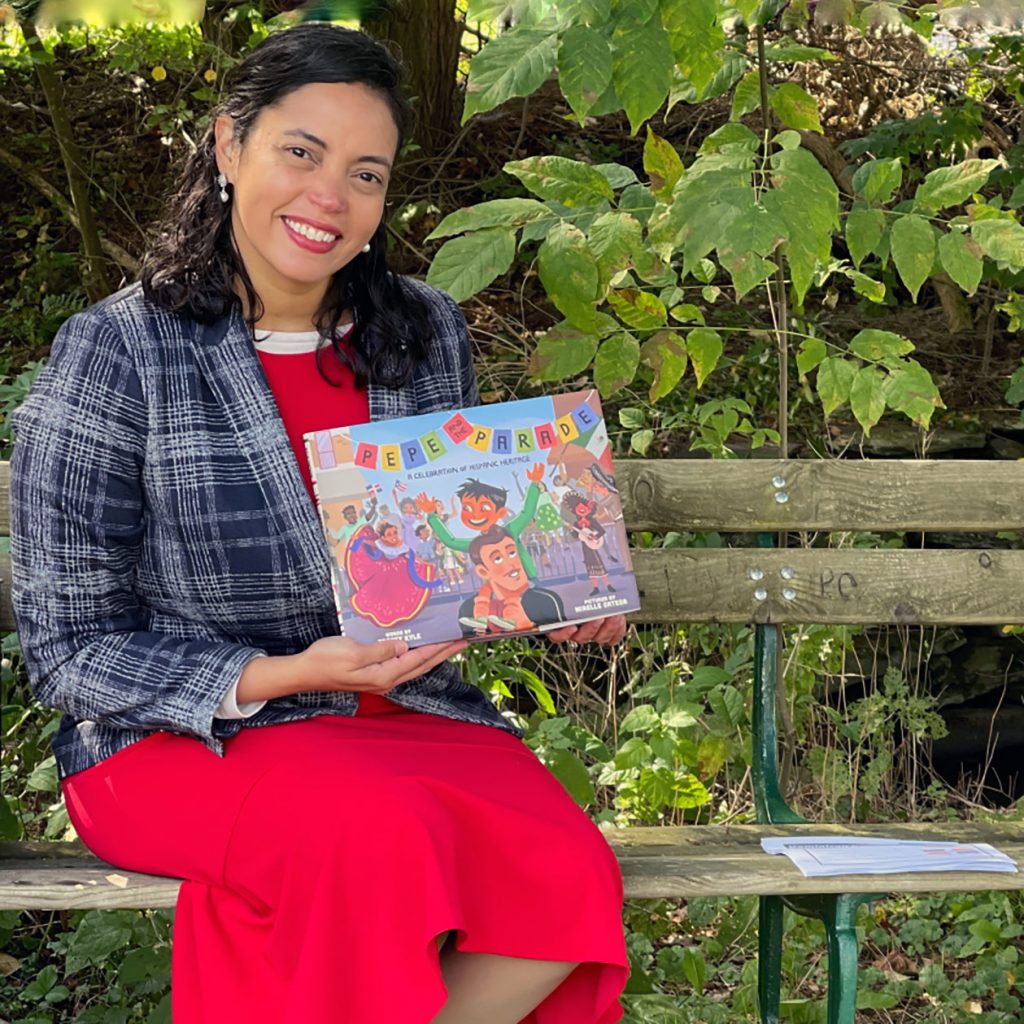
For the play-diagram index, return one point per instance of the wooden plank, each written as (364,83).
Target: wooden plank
(656,862)
(827,494)
(842,586)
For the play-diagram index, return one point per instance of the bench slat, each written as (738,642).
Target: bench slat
(685,861)
(827,585)
(830,494)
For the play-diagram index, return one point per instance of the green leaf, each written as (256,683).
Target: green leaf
(572,773)
(877,180)
(806,201)
(687,313)
(712,754)
(613,239)
(590,12)
(811,352)
(665,353)
(566,181)
(872,290)
(662,164)
(787,51)
(638,309)
(696,38)
(515,63)
(466,265)
(689,791)
(642,64)
(643,718)
(584,68)
(881,346)
(509,213)
(569,273)
(617,175)
(639,201)
(704,346)
(911,391)
(98,934)
(835,379)
(1001,240)
(615,363)
(641,440)
(960,257)
(867,397)
(912,242)
(745,240)
(795,107)
(950,186)
(747,96)
(732,133)
(695,967)
(562,353)
(864,227)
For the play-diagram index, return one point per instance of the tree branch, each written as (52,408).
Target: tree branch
(120,256)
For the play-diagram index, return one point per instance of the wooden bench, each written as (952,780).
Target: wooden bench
(765,586)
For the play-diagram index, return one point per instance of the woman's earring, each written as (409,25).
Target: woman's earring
(366,248)
(222,181)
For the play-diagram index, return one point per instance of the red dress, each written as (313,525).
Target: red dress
(322,858)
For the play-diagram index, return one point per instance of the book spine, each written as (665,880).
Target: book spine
(309,441)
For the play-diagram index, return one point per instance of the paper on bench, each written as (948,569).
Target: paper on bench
(861,855)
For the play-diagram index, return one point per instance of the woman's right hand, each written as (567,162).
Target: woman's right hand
(337,663)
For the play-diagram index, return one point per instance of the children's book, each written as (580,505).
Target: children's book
(492,521)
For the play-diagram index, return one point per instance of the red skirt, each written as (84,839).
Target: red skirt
(323,858)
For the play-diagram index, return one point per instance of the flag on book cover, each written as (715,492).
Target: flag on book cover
(399,486)
(373,488)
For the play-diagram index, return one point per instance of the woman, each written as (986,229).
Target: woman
(338,811)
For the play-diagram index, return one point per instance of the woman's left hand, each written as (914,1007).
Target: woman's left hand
(607,631)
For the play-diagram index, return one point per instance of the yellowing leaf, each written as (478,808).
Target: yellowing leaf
(665,354)
(795,107)
(159,73)
(615,363)
(662,164)
(867,397)
(835,378)
(704,346)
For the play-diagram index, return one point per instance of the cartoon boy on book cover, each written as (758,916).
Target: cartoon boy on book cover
(507,601)
(483,507)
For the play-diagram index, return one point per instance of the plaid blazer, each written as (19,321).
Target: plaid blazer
(161,535)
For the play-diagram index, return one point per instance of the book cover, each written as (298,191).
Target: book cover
(491,521)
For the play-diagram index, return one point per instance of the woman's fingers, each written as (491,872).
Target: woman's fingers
(609,630)
(423,659)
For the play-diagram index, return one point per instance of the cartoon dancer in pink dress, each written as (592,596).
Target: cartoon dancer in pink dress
(390,583)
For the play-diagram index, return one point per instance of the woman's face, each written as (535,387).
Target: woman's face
(309,184)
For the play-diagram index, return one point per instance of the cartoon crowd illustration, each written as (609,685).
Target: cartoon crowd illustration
(500,562)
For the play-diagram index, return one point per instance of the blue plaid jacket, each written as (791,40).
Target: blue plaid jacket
(161,535)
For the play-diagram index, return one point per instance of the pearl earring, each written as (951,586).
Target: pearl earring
(366,248)
(222,181)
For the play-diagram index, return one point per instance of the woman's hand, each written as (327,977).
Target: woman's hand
(607,631)
(338,663)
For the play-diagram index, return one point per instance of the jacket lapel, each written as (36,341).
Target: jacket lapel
(228,360)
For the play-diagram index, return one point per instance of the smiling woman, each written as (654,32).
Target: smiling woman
(334,808)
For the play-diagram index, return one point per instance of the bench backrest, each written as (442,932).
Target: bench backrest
(817,583)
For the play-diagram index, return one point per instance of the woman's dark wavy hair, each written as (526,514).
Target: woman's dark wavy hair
(193,263)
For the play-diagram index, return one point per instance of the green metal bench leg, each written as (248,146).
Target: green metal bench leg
(841,929)
(769,958)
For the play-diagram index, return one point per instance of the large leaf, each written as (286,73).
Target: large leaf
(568,271)
(805,199)
(665,353)
(704,347)
(835,379)
(795,107)
(747,96)
(615,363)
(662,164)
(509,213)
(642,64)
(960,257)
(584,68)
(638,309)
(562,353)
(950,186)
(572,773)
(911,390)
(515,63)
(864,227)
(588,12)
(867,396)
(881,346)
(811,352)
(744,243)
(696,38)
(877,180)
(566,181)
(613,238)
(913,250)
(464,266)
(1002,240)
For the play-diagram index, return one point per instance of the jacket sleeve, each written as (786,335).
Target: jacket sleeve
(78,518)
